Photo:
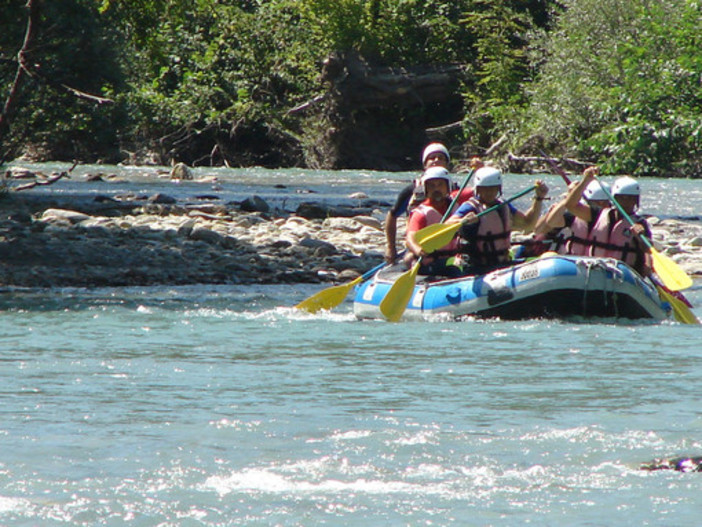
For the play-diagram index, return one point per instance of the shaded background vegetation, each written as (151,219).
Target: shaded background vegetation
(613,82)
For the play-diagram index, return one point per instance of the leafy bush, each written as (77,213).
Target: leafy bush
(621,86)
(614,81)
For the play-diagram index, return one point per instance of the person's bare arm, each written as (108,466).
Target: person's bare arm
(525,221)
(573,203)
(390,237)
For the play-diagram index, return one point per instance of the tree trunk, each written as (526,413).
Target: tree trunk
(382,117)
(22,72)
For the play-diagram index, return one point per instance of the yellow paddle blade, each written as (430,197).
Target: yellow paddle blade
(422,234)
(438,238)
(681,312)
(395,302)
(670,272)
(327,298)
(432,238)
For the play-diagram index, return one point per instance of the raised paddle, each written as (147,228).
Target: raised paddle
(397,298)
(669,272)
(395,301)
(555,167)
(432,237)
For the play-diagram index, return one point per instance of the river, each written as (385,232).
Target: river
(222,405)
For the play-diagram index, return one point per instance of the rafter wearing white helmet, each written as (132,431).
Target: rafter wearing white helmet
(594,191)
(627,186)
(436,173)
(487,177)
(435,148)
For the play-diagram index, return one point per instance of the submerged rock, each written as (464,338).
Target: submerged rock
(681,464)
(181,171)
(255,204)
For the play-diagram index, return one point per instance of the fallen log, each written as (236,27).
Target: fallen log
(357,84)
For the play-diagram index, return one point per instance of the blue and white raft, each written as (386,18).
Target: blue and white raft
(552,286)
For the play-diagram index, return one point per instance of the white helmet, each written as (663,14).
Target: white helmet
(436,173)
(594,192)
(435,148)
(626,186)
(487,177)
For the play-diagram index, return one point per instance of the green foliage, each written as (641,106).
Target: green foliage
(212,66)
(502,31)
(403,32)
(614,81)
(71,50)
(621,85)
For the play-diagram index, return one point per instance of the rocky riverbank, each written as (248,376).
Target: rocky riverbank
(48,242)
(56,242)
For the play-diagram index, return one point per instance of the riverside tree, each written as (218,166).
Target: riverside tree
(212,82)
(621,86)
(57,84)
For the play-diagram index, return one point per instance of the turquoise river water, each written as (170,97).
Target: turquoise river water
(223,406)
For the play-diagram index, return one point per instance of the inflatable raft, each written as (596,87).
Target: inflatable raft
(552,286)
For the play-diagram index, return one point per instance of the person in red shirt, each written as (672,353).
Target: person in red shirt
(437,188)
(434,155)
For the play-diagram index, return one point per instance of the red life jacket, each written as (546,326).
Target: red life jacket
(433,216)
(491,243)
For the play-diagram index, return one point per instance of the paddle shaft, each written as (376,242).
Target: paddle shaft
(505,202)
(438,239)
(365,276)
(558,169)
(458,195)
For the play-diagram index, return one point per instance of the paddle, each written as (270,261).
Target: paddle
(432,238)
(681,311)
(669,272)
(333,296)
(395,301)
(555,167)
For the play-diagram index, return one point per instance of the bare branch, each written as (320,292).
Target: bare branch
(48,181)
(13,95)
(305,105)
(24,70)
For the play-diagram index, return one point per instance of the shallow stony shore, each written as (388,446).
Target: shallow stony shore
(50,242)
